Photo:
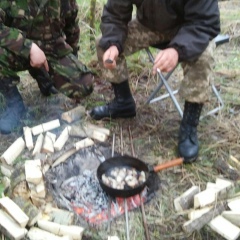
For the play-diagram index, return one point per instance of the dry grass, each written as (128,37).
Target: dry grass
(155,130)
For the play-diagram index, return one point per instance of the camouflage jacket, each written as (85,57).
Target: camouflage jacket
(197,22)
(52,24)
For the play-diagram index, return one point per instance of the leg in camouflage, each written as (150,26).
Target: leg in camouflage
(195,89)
(139,37)
(71,77)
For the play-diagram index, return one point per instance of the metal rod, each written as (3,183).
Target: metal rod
(126,218)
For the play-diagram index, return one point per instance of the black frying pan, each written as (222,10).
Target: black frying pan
(131,162)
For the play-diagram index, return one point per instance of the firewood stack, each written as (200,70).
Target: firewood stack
(216,206)
(28,210)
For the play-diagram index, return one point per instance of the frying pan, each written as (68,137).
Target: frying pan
(131,162)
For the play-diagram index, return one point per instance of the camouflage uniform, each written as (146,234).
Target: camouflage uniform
(198,74)
(53,26)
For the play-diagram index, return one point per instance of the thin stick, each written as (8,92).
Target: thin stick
(121,140)
(140,195)
(126,217)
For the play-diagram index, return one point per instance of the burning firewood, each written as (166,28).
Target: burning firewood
(13,151)
(10,228)
(48,143)
(62,139)
(44,127)
(75,232)
(73,114)
(28,137)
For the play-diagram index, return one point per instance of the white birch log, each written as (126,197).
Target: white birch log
(13,151)
(44,127)
(73,114)
(14,211)
(27,132)
(225,228)
(48,143)
(39,234)
(33,171)
(10,228)
(38,145)
(62,139)
(74,231)
(87,142)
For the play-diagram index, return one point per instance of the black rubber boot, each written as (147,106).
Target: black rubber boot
(188,145)
(122,106)
(14,109)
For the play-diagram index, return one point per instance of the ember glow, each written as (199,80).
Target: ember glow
(90,202)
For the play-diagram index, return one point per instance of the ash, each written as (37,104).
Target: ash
(84,191)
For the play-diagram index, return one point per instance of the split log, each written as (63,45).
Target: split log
(10,228)
(62,139)
(6,170)
(64,157)
(75,232)
(224,183)
(38,145)
(29,209)
(234,205)
(204,198)
(33,171)
(185,201)
(73,114)
(97,128)
(232,216)
(27,132)
(97,135)
(87,142)
(225,228)
(38,234)
(197,223)
(48,143)
(226,169)
(197,213)
(14,211)
(78,131)
(60,216)
(44,127)
(221,190)
(13,151)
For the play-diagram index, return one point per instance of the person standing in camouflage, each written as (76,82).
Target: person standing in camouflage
(187,28)
(39,36)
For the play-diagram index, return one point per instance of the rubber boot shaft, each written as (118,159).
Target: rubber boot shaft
(122,106)
(188,145)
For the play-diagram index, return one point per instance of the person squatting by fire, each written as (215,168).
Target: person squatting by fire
(187,28)
(39,36)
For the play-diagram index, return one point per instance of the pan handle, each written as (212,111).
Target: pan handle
(172,163)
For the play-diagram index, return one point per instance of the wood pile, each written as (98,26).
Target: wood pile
(216,206)
(27,211)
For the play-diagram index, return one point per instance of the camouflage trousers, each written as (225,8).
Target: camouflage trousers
(198,75)
(67,73)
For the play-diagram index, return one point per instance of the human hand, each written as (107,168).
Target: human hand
(165,60)
(109,57)
(38,58)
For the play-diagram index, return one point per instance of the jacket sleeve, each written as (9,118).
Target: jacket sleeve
(71,28)
(115,17)
(13,39)
(201,25)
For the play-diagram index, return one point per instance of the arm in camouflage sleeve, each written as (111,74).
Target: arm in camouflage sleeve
(72,29)
(13,40)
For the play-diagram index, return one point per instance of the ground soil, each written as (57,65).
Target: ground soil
(152,135)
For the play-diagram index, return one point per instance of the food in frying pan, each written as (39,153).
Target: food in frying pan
(123,178)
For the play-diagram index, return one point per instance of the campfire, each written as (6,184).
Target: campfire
(55,191)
